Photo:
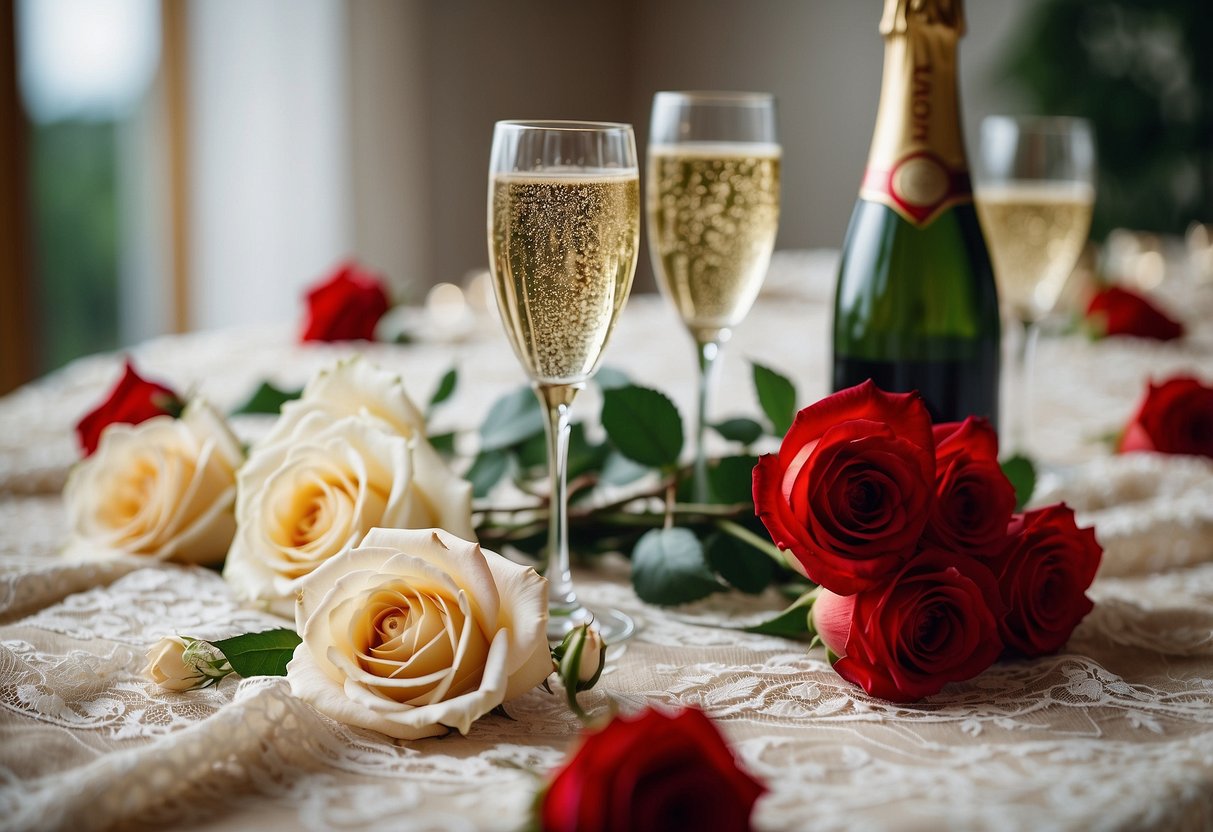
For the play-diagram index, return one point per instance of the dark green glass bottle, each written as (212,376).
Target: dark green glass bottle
(916,306)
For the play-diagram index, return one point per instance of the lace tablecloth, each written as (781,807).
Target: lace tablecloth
(1114,732)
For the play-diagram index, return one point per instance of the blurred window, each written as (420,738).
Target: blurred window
(87,72)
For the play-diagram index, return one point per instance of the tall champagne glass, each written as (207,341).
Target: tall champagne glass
(1035,192)
(713,209)
(563,231)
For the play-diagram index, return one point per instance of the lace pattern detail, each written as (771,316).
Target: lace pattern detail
(1115,732)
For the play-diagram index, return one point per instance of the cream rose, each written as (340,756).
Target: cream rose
(166,665)
(163,489)
(353,387)
(303,501)
(179,663)
(415,633)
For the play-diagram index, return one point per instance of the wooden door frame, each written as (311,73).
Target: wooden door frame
(17,348)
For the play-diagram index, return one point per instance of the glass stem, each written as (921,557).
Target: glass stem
(556,400)
(1021,409)
(709,351)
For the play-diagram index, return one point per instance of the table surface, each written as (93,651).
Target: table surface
(1113,732)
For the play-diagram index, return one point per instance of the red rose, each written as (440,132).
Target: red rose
(934,622)
(1175,417)
(346,306)
(1044,577)
(850,489)
(651,772)
(973,498)
(1117,311)
(134,400)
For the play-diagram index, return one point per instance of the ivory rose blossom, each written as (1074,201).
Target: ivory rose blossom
(850,489)
(163,489)
(357,387)
(348,455)
(415,633)
(303,502)
(350,387)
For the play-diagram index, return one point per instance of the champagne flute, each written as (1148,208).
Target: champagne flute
(713,209)
(1035,192)
(563,233)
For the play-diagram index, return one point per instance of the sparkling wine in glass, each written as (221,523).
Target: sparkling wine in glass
(1035,192)
(563,233)
(712,200)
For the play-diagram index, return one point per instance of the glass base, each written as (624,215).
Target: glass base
(614,626)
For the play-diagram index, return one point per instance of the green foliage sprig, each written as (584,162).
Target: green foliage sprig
(629,491)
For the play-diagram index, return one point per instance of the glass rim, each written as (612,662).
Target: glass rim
(563,125)
(717,96)
(1040,124)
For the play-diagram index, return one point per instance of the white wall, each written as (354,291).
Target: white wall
(269,174)
(321,129)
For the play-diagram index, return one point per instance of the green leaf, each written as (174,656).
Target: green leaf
(743,430)
(643,425)
(668,567)
(608,378)
(446,387)
(1022,474)
(487,470)
(513,418)
(267,399)
(777,397)
(583,455)
(743,566)
(794,622)
(443,443)
(732,479)
(259,654)
(617,469)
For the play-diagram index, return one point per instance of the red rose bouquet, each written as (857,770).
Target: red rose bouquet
(925,575)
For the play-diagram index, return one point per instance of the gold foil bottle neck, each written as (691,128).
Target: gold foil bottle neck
(900,15)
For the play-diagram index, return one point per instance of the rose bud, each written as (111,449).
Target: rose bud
(1117,311)
(580,657)
(973,498)
(934,622)
(651,772)
(850,489)
(1175,417)
(180,663)
(579,660)
(133,400)
(1044,577)
(346,306)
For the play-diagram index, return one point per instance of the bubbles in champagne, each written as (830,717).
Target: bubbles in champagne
(564,252)
(713,211)
(1035,231)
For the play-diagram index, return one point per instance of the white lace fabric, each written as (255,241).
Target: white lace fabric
(1113,732)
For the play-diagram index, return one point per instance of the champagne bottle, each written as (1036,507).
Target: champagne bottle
(916,306)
